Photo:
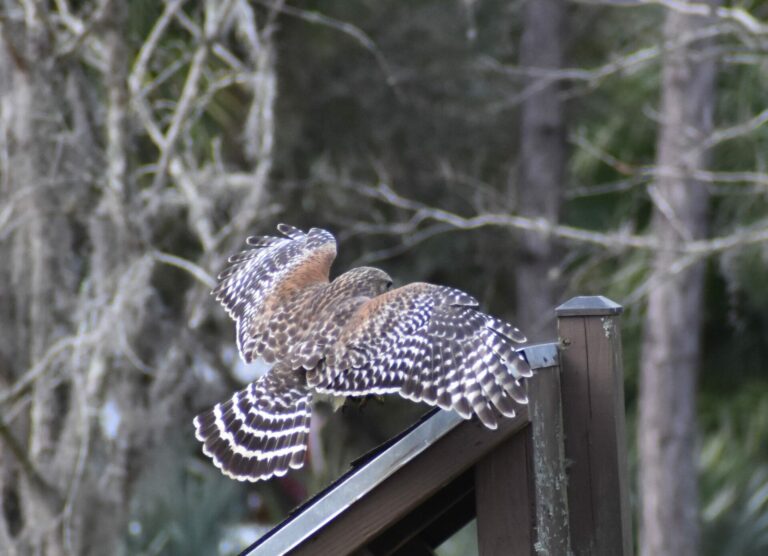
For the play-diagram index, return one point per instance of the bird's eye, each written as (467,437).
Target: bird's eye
(389,284)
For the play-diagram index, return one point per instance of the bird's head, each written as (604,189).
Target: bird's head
(365,281)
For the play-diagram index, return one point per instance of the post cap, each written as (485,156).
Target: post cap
(588,305)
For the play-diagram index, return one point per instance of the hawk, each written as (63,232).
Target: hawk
(352,336)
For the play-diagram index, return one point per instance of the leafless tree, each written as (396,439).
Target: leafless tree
(94,358)
(541,164)
(672,346)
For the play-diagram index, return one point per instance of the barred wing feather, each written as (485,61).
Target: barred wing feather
(429,343)
(261,288)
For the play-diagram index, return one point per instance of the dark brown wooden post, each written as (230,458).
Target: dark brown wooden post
(549,476)
(594,425)
(520,487)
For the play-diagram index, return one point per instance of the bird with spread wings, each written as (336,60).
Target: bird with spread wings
(352,336)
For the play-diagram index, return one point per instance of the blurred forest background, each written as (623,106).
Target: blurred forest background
(523,151)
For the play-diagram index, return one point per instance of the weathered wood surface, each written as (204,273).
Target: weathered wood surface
(504,498)
(550,483)
(594,427)
(397,495)
(521,497)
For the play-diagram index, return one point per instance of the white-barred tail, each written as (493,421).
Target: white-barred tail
(262,430)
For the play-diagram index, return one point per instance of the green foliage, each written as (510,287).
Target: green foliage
(180,510)
(734,477)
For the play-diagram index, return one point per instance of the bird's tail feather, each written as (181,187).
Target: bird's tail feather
(262,430)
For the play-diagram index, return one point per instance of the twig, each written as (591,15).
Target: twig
(189,91)
(738,16)
(83,30)
(149,46)
(544,77)
(186,265)
(739,130)
(408,242)
(41,366)
(46,491)
(139,71)
(183,108)
(347,28)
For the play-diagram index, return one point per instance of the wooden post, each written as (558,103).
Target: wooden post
(594,425)
(521,499)
(549,474)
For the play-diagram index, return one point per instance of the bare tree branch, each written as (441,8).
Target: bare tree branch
(593,78)
(139,71)
(739,130)
(738,16)
(188,266)
(44,489)
(619,240)
(353,31)
(423,213)
(216,18)
(735,15)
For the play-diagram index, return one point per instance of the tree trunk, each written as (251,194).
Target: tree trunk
(672,339)
(541,170)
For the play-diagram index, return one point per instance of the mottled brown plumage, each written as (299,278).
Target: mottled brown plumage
(352,336)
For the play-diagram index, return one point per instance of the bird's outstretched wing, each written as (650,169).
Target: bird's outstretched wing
(428,343)
(260,431)
(262,288)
